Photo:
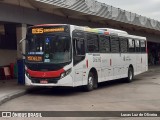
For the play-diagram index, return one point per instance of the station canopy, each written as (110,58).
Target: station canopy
(93,11)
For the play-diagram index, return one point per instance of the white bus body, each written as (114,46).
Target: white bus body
(94,64)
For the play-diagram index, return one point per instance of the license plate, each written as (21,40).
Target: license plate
(44,82)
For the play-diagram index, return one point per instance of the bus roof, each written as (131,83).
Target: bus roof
(132,36)
(113,30)
(122,33)
(93,30)
(105,31)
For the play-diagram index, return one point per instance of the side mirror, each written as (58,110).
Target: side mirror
(22,46)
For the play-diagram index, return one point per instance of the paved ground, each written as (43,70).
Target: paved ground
(10,89)
(140,95)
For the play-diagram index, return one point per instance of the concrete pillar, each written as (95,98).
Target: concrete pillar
(21,34)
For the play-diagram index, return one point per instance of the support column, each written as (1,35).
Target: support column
(21,34)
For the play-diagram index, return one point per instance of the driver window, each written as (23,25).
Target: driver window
(80,46)
(79,49)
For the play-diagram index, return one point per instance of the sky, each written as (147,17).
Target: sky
(148,8)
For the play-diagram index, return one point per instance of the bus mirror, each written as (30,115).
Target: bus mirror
(79,47)
(22,46)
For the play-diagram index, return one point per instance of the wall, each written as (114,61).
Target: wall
(21,34)
(9,55)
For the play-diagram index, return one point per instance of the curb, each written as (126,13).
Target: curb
(12,96)
(17,94)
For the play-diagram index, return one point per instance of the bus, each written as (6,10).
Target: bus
(70,55)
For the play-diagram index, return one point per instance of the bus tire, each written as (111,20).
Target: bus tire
(91,83)
(130,75)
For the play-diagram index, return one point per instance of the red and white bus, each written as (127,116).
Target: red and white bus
(69,55)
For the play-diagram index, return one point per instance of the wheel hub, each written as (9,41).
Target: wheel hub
(130,74)
(90,81)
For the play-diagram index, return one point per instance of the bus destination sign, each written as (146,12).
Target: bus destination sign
(35,58)
(47,30)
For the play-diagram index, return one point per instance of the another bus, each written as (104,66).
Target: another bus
(69,55)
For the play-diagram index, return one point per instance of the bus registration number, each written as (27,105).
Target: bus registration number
(44,82)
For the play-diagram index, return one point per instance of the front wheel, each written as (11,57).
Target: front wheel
(130,75)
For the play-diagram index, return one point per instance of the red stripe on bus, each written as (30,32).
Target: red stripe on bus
(47,74)
(110,62)
(87,63)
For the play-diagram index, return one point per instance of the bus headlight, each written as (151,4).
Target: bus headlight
(27,74)
(67,72)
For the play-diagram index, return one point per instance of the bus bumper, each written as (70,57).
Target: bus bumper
(66,81)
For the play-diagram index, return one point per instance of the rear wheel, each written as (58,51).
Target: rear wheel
(130,75)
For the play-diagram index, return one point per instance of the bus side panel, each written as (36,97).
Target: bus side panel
(129,59)
(144,62)
(79,73)
(106,67)
(124,65)
(93,61)
(138,63)
(133,62)
(117,65)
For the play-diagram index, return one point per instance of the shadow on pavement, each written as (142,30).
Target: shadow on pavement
(69,91)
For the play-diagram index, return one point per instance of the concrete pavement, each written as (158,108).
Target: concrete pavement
(9,89)
(140,95)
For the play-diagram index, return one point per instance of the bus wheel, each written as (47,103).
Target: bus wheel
(130,75)
(91,81)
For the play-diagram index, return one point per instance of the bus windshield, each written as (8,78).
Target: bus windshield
(52,48)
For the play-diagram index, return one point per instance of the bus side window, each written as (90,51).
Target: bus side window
(131,45)
(92,43)
(123,45)
(137,44)
(104,44)
(115,45)
(143,46)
